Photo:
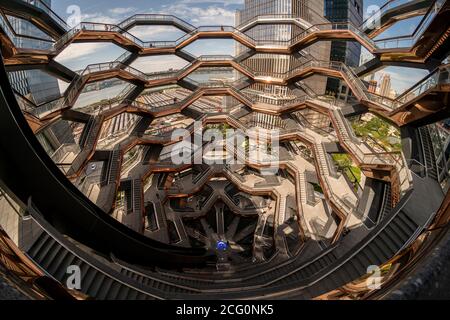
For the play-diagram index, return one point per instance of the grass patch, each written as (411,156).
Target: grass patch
(345,165)
(381,131)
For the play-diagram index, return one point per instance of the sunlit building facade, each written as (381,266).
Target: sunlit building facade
(344,11)
(308,12)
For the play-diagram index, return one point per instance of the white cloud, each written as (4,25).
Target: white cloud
(159,63)
(78,55)
(122,11)
(116,15)
(156,33)
(75,51)
(201,16)
(223,2)
(99,18)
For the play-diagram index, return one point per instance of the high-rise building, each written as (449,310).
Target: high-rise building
(348,52)
(373,84)
(35,84)
(310,12)
(385,86)
(39,87)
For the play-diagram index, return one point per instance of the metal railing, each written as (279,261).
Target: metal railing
(439,76)
(63,150)
(337,26)
(194,31)
(155,18)
(98,27)
(409,41)
(123,57)
(276,17)
(23,41)
(370,22)
(102,27)
(44,7)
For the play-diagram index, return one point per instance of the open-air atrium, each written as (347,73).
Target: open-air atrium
(273,170)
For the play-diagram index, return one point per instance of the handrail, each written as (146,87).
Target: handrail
(411,40)
(123,56)
(439,75)
(103,27)
(71,209)
(310,12)
(99,27)
(337,26)
(125,24)
(44,7)
(390,4)
(328,26)
(245,25)
(23,41)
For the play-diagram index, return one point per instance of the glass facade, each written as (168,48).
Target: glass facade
(345,51)
(40,86)
(309,12)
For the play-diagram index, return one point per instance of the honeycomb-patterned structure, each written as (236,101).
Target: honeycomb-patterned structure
(337,203)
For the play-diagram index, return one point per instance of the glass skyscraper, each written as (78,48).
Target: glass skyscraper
(310,12)
(348,52)
(38,86)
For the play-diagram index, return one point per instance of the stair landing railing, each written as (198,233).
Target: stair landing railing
(410,41)
(44,7)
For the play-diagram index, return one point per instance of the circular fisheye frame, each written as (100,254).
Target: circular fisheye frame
(246,150)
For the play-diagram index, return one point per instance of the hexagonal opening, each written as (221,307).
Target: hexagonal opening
(164,96)
(216,75)
(317,120)
(37,86)
(271,94)
(166,125)
(24,27)
(274,32)
(215,104)
(377,132)
(400,28)
(102,95)
(160,63)
(157,33)
(208,47)
(77,56)
(392,82)
(115,130)
(25,34)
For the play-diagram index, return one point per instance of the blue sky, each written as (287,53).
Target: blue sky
(197,12)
